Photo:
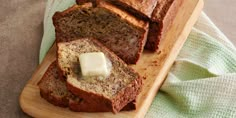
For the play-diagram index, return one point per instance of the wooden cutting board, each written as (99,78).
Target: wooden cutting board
(153,66)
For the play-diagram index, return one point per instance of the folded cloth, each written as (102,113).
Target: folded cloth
(49,30)
(202,81)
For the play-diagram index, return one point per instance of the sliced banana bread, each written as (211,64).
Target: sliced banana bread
(114,92)
(119,31)
(54,90)
(162,17)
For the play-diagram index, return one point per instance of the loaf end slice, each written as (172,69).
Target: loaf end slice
(54,90)
(121,87)
(162,18)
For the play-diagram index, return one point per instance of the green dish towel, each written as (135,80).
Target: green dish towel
(202,81)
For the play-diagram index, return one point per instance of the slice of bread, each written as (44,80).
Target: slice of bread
(162,18)
(54,90)
(119,31)
(121,87)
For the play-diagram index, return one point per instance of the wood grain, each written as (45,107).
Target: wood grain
(153,66)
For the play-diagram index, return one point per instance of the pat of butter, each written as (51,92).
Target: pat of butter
(93,64)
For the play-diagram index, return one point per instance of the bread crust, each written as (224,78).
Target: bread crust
(115,104)
(139,8)
(81,2)
(70,100)
(161,22)
(85,107)
(104,104)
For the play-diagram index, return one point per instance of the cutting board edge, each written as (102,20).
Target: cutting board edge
(189,25)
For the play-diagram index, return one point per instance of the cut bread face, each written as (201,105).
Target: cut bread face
(121,87)
(119,31)
(54,90)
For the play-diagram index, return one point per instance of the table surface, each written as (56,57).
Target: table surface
(21,29)
(222,13)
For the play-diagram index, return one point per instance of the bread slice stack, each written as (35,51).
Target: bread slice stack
(112,93)
(119,29)
(115,93)
(53,88)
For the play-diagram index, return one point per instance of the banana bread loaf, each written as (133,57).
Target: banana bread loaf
(114,92)
(119,31)
(162,17)
(54,90)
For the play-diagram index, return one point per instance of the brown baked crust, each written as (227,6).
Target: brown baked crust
(142,25)
(84,107)
(69,100)
(124,96)
(140,8)
(81,2)
(130,106)
(162,19)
